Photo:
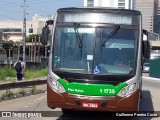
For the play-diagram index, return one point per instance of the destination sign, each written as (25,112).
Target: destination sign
(96,18)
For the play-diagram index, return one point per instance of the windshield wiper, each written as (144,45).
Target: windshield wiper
(76,26)
(115,29)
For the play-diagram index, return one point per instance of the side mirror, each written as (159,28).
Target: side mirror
(45,32)
(146,49)
(145,45)
(44,37)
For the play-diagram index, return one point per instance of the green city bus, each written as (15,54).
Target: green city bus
(83,68)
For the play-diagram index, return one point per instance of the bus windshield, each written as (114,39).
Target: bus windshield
(85,49)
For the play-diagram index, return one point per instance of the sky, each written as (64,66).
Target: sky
(13,10)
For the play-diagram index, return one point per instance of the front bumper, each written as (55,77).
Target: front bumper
(67,101)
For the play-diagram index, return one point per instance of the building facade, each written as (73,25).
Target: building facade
(147,8)
(13,30)
(157,18)
(124,4)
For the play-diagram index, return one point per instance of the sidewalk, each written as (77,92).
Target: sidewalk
(151,78)
(146,76)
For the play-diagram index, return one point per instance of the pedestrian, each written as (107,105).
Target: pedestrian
(20,68)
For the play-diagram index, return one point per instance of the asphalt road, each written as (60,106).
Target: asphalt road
(149,102)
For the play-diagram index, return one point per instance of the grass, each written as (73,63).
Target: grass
(33,90)
(8,93)
(9,74)
(31,74)
(22,91)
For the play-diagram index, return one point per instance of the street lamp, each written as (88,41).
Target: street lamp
(24,29)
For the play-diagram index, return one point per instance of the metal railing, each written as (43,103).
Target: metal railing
(21,84)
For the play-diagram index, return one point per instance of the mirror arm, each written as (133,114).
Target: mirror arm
(146,44)
(49,22)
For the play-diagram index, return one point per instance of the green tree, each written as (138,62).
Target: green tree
(33,36)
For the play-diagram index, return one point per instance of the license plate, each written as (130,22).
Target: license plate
(90,105)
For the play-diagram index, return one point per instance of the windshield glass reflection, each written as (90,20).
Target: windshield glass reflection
(95,50)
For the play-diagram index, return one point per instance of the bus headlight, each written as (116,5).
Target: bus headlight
(129,89)
(55,85)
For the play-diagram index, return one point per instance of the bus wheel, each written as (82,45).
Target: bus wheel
(67,111)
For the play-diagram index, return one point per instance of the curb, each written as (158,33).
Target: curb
(20,84)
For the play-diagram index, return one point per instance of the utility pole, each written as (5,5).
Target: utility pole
(24,30)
